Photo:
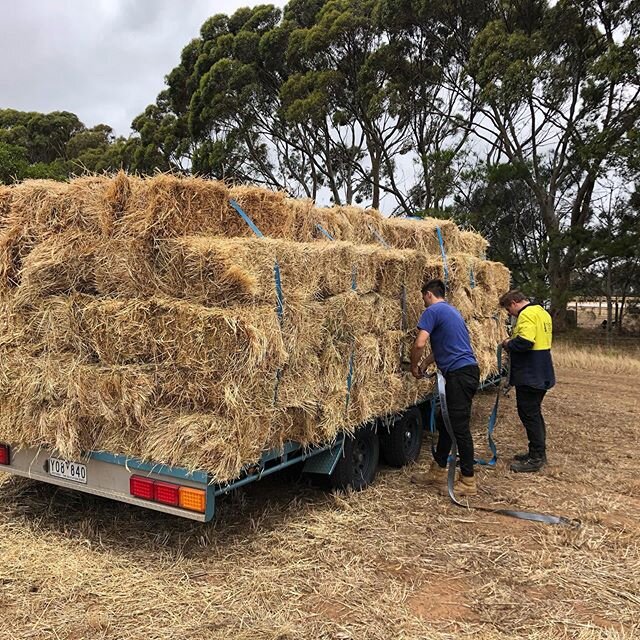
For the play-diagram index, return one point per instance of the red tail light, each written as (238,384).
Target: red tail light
(166,493)
(141,487)
(5,457)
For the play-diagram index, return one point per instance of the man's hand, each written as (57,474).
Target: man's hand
(505,343)
(416,353)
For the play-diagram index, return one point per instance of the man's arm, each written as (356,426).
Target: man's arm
(525,335)
(416,353)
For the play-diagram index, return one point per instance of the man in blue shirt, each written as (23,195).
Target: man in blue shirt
(451,350)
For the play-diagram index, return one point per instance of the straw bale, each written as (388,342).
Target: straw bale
(219,444)
(351,314)
(43,207)
(492,280)
(201,338)
(267,209)
(5,204)
(63,403)
(485,334)
(227,271)
(472,243)
(60,264)
(218,271)
(463,294)
(403,233)
(157,330)
(363,223)
(304,331)
(307,217)
(169,206)
(126,267)
(299,384)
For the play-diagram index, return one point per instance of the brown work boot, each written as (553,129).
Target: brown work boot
(465,486)
(435,475)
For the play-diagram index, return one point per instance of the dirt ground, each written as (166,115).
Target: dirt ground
(288,561)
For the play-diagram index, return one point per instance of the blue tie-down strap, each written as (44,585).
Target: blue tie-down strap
(350,377)
(493,418)
(324,232)
(403,304)
(378,237)
(444,257)
(432,422)
(278,283)
(472,278)
(246,218)
(279,296)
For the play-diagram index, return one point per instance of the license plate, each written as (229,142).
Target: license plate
(73,471)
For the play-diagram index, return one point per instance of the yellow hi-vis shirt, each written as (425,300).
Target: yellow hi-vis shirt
(534,324)
(530,349)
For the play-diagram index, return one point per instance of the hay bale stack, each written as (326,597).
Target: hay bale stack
(140,316)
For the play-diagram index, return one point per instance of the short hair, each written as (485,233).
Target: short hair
(435,286)
(515,295)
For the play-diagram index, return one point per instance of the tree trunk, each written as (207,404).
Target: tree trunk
(375,173)
(609,303)
(559,281)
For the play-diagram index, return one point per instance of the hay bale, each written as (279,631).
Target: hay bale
(473,244)
(404,233)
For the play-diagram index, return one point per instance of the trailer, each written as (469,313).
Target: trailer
(349,461)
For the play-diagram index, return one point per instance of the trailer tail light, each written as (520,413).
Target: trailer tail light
(5,457)
(193,499)
(166,493)
(141,487)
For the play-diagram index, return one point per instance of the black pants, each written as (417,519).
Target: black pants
(529,402)
(462,385)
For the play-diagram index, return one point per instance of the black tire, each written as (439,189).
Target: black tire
(357,466)
(402,442)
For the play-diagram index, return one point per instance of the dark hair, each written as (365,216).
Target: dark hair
(515,295)
(434,286)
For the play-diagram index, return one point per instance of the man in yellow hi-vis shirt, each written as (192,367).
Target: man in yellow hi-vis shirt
(531,373)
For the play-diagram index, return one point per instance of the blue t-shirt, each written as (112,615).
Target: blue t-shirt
(449,336)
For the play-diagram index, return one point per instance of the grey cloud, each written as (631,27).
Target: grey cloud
(104,60)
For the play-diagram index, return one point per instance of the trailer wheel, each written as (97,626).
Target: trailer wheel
(402,443)
(358,464)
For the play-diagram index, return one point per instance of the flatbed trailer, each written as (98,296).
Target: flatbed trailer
(348,461)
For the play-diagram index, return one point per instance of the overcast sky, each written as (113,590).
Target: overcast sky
(104,60)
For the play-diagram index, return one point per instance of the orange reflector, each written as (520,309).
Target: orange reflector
(193,499)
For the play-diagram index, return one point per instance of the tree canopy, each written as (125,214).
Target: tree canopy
(514,117)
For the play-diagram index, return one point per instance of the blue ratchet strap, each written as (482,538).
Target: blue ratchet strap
(246,218)
(444,258)
(432,421)
(403,303)
(493,418)
(472,277)
(320,228)
(378,237)
(278,282)
(351,357)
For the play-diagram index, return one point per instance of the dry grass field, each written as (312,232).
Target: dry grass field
(289,562)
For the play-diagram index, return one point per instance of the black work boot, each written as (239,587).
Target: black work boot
(520,457)
(530,465)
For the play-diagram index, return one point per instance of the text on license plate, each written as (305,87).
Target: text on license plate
(68,470)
